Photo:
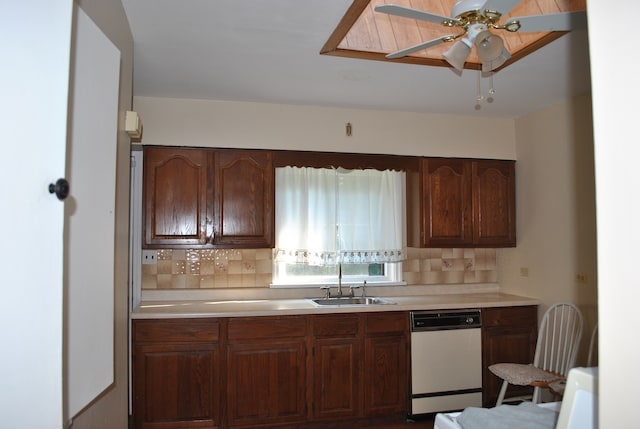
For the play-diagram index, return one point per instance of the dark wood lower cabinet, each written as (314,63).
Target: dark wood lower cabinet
(360,365)
(266,371)
(386,374)
(337,351)
(295,371)
(266,385)
(176,374)
(508,335)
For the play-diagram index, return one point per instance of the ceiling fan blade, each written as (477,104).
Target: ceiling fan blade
(502,6)
(564,21)
(419,47)
(407,12)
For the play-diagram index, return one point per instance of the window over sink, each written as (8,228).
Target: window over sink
(328,218)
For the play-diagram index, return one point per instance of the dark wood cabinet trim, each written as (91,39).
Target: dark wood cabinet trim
(345,160)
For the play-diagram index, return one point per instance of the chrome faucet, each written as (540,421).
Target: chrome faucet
(327,288)
(339,280)
(363,286)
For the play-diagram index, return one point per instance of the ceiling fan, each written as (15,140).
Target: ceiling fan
(476,18)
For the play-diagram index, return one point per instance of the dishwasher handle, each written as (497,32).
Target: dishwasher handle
(438,320)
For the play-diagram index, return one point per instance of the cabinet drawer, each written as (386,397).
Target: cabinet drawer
(380,323)
(510,316)
(248,328)
(338,325)
(182,330)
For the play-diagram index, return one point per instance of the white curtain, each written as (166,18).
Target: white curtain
(328,216)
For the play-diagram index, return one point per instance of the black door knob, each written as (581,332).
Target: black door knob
(60,188)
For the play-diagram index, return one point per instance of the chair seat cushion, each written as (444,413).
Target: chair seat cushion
(523,375)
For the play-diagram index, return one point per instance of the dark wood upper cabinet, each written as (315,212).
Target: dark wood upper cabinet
(494,201)
(199,198)
(463,203)
(447,203)
(244,198)
(177,197)
(208,198)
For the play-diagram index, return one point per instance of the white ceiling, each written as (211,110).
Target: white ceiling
(268,51)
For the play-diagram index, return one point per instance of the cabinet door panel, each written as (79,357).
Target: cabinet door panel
(386,381)
(494,199)
(244,198)
(336,370)
(175,196)
(447,203)
(266,383)
(176,386)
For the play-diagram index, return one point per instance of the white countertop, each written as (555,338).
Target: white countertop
(273,307)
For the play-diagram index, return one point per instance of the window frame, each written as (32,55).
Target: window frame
(392,277)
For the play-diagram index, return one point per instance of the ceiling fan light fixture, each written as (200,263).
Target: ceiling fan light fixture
(488,66)
(489,46)
(458,54)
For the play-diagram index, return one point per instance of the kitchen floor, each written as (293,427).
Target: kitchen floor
(423,423)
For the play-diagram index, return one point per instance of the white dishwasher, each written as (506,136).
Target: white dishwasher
(446,361)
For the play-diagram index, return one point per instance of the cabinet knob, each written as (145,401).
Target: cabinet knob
(60,188)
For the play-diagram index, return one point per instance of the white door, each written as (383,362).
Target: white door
(35,38)
(90,215)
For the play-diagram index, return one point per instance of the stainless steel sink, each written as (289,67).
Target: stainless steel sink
(369,300)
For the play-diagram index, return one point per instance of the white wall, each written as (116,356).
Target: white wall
(555,198)
(180,122)
(616,92)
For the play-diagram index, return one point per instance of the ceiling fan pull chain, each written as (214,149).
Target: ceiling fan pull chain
(479,96)
(492,89)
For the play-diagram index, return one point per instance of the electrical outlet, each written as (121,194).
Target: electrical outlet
(149,257)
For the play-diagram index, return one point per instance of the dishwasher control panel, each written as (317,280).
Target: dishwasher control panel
(435,320)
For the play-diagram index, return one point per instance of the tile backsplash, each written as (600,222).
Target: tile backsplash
(250,268)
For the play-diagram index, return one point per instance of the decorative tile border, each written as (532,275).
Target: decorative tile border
(250,268)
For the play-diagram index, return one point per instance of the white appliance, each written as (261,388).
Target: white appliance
(446,361)
(580,403)
(578,409)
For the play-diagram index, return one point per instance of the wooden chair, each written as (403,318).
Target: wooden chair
(556,350)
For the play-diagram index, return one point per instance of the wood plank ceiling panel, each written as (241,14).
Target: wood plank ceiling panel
(364,33)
